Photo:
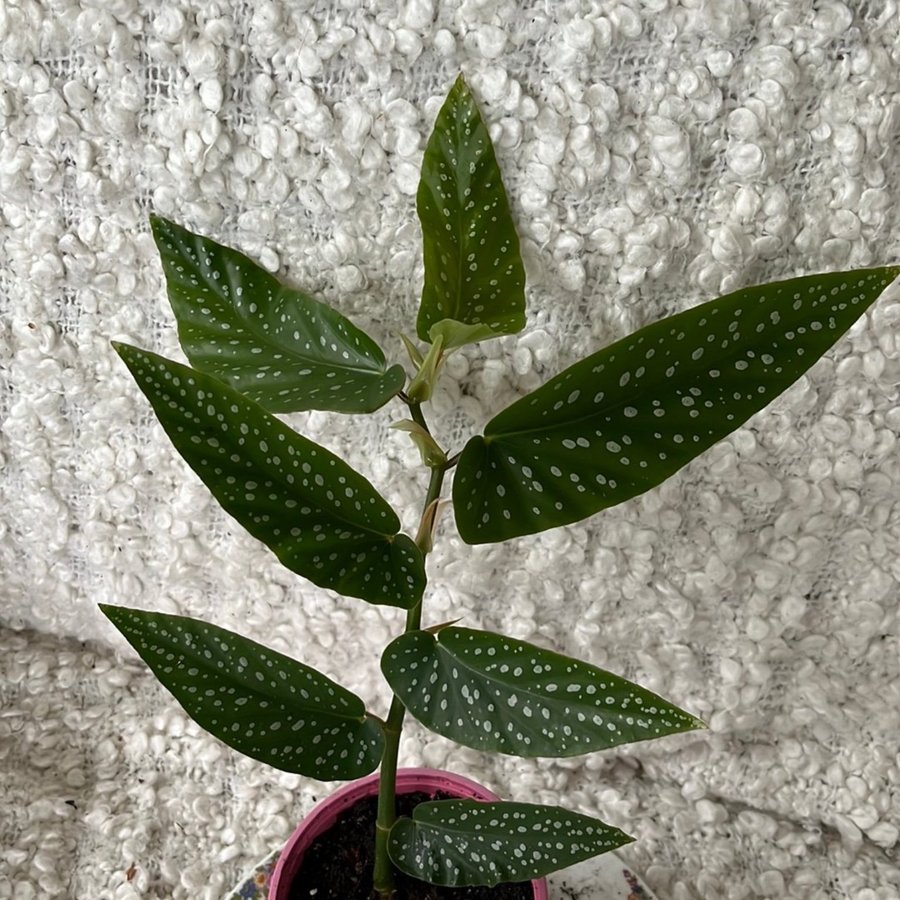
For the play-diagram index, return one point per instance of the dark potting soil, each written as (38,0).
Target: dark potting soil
(339,864)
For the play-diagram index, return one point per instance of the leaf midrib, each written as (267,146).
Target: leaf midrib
(292,490)
(715,358)
(289,703)
(694,370)
(193,654)
(530,693)
(384,367)
(479,835)
(460,231)
(282,292)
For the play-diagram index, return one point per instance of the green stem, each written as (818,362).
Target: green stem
(383,881)
(415,410)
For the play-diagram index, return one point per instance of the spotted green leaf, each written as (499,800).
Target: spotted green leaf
(626,418)
(260,702)
(473,270)
(278,346)
(495,693)
(322,519)
(457,843)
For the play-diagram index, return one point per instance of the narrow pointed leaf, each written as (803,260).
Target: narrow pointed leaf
(495,693)
(260,702)
(425,534)
(456,334)
(322,519)
(412,351)
(473,269)
(422,385)
(431,454)
(281,348)
(457,843)
(626,418)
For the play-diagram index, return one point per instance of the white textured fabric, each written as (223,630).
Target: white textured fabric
(656,153)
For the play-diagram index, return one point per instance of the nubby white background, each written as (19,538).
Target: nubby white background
(656,154)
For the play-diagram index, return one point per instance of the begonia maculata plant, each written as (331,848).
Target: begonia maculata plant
(604,430)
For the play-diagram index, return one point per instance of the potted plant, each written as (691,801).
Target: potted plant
(330,848)
(604,430)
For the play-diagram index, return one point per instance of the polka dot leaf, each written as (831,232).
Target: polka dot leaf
(283,349)
(322,519)
(474,278)
(260,702)
(623,420)
(495,693)
(459,843)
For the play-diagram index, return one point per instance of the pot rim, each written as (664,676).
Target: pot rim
(325,813)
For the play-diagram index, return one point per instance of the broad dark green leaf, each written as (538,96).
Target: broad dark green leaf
(495,693)
(626,418)
(323,519)
(473,270)
(278,346)
(260,702)
(456,843)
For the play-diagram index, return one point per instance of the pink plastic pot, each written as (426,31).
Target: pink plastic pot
(326,813)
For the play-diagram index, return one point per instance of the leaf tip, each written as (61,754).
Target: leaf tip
(158,225)
(437,629)
(125,352)
(412,351)
(111,612)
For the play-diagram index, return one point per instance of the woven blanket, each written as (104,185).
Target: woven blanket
(656,153)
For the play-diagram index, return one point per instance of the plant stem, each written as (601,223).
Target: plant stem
(383,880)
(415,410)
